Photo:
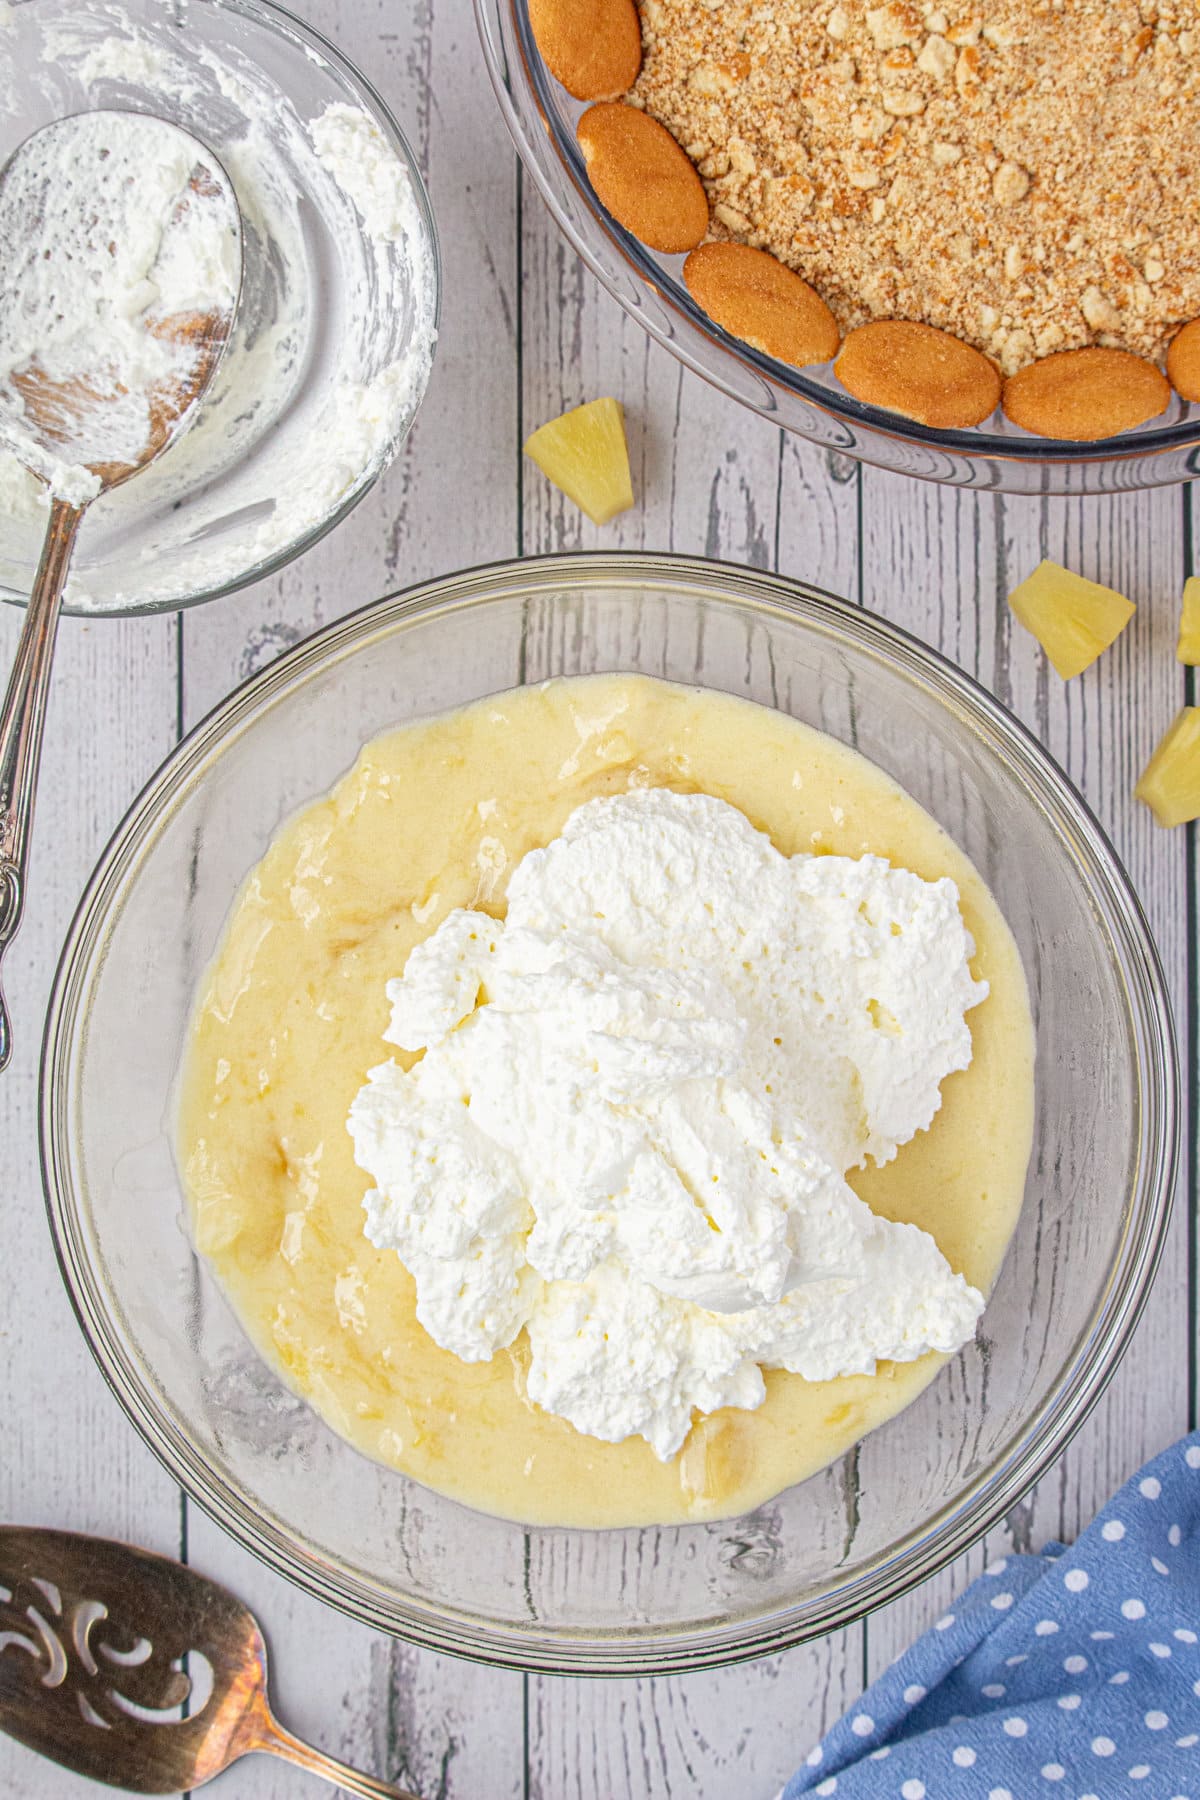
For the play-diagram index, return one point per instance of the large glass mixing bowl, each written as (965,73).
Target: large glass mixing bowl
(541,117)
(289,438)
(373,1542)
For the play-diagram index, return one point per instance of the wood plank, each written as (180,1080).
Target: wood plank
(705,473)
(727,1733)
(446,1728)
(942,563)
(1188,1027)
(69,1459)
(712,480)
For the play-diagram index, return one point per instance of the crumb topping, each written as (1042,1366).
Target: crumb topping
(1023,173)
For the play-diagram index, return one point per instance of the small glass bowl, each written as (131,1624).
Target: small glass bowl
(373,1542)
(541,117)
(238,74)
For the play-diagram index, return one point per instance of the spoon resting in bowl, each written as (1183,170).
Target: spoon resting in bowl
(135,1670)
(120,272)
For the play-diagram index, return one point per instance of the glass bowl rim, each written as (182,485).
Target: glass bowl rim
(977,1506)
(1028,451)
(314,46)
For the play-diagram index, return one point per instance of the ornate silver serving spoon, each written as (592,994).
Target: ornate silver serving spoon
(65,206)
(135,1670)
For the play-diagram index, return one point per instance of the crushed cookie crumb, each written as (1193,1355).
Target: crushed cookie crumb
(933,164)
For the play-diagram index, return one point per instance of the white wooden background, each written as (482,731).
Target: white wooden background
(527,332)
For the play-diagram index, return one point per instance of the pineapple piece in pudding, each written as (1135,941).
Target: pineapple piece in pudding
(714,1462)
(1074,620)
(1170,784)
(584,453)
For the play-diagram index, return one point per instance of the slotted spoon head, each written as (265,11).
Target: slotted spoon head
(125,1666)
(64,199)
(133,1670)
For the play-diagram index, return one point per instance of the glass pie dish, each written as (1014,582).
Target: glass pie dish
(541,118)
(372,1542)
(329,309)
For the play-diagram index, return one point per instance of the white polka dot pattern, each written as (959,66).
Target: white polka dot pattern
(1072,1673)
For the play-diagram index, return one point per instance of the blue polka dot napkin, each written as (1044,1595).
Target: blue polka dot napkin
(1073,1673)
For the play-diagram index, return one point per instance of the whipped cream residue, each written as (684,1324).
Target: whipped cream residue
(111,241)
(638,1099)
(335,330)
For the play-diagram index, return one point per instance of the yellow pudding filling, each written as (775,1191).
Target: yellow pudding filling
(291,1018)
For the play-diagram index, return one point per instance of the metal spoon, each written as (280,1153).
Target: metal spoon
(89,420)
(136,1671)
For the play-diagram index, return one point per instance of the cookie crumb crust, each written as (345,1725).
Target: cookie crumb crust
(1022,173)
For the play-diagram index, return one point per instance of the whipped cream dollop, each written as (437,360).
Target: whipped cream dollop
(639,1097)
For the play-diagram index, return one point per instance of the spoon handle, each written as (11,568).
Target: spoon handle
(21,721)
(271,1736)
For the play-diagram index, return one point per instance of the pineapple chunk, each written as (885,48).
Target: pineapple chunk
(1189,623)
(1072,619)
(1170,784)
(584,453)
(713,1463)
